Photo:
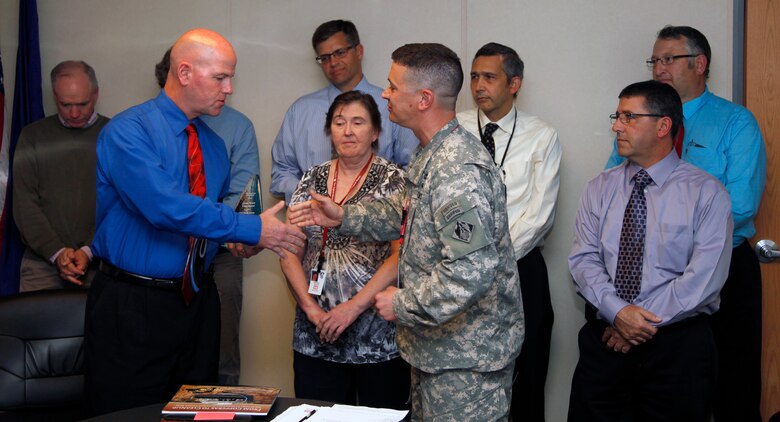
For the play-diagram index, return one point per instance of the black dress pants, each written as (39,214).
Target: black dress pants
(531,365)
(143,343)
(737,330)
(384,384)
(669,378)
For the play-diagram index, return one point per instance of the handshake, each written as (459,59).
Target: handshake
(275,234)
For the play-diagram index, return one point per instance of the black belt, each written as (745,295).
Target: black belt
(127,277)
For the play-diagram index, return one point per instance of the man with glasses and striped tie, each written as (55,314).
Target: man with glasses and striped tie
(723,139)
(651,253)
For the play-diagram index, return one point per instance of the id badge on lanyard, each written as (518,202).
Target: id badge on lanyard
(318,274)
(317,279)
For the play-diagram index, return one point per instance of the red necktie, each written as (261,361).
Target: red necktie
(195,159)
(678,141)
(197,178)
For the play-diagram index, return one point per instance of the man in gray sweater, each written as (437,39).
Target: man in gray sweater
(54,184)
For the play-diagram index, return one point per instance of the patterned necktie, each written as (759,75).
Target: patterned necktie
(678,140)
(193,268)
(628,280)
(195,159)
(487,138)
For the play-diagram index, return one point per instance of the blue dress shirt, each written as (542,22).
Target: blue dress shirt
(145,213)
(723,139)
(238,134)
(301,142)
(687,243)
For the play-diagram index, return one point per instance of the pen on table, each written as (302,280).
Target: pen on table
(313,411)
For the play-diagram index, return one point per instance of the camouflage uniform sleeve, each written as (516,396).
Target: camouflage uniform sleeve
(461,202)
(378,220)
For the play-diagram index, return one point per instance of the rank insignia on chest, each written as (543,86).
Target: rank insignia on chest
(463,231)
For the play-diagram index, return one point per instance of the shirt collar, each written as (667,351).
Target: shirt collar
(691,107)
(334,92)
(92,119)
(444,132)
(171,112)
(505,123)
(659,171)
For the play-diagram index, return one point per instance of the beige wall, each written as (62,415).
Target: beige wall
(578,55)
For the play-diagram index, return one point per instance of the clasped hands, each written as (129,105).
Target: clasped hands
(330,325)
(632,327)
(72,264)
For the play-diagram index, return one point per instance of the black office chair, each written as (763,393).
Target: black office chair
(42,355)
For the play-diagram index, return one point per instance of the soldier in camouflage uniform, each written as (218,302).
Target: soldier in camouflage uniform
(459,311)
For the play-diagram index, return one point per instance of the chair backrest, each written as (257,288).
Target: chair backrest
(42,348)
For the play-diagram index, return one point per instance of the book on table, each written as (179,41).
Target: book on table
(235,400)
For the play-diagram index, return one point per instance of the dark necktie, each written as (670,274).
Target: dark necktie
(628,279)
(678,140)
(193,268)
(487,138)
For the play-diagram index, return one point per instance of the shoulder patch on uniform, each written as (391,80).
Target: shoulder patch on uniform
(463,231)
(451,210)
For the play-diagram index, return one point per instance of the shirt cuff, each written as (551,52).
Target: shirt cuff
(87,251)
(402,316)
(611,306)
(351,222)
(53,258)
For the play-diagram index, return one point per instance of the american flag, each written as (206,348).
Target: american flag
(5,164)
(27,108)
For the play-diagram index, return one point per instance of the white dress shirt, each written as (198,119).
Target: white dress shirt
(531,170)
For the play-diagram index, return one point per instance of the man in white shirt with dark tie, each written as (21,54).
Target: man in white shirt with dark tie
(527,150)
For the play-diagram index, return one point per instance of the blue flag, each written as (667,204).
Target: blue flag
(28,107)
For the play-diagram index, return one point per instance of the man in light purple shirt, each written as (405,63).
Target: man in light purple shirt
(650,356)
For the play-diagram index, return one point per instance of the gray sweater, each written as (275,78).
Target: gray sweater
(54,185)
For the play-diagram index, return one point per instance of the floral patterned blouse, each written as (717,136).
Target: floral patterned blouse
(350,264)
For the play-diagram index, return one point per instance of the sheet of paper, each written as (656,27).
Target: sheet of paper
(340,413)
(296,413)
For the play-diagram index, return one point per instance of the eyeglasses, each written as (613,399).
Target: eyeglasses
(338,53)
(625,118)
(666,60)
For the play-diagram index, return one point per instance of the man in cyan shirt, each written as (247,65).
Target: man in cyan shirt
(723,139)
(651,253)
(301,142)
(150,328)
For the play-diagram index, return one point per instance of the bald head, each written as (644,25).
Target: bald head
(200,77)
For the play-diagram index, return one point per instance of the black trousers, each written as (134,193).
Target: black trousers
(384,384)
(737,330)
(669,378)
(141,343)
(531,365)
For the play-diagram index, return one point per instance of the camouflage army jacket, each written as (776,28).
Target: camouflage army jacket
(460,305)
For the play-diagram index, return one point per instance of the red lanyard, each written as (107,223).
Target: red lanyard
(404,214)
(333,197)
